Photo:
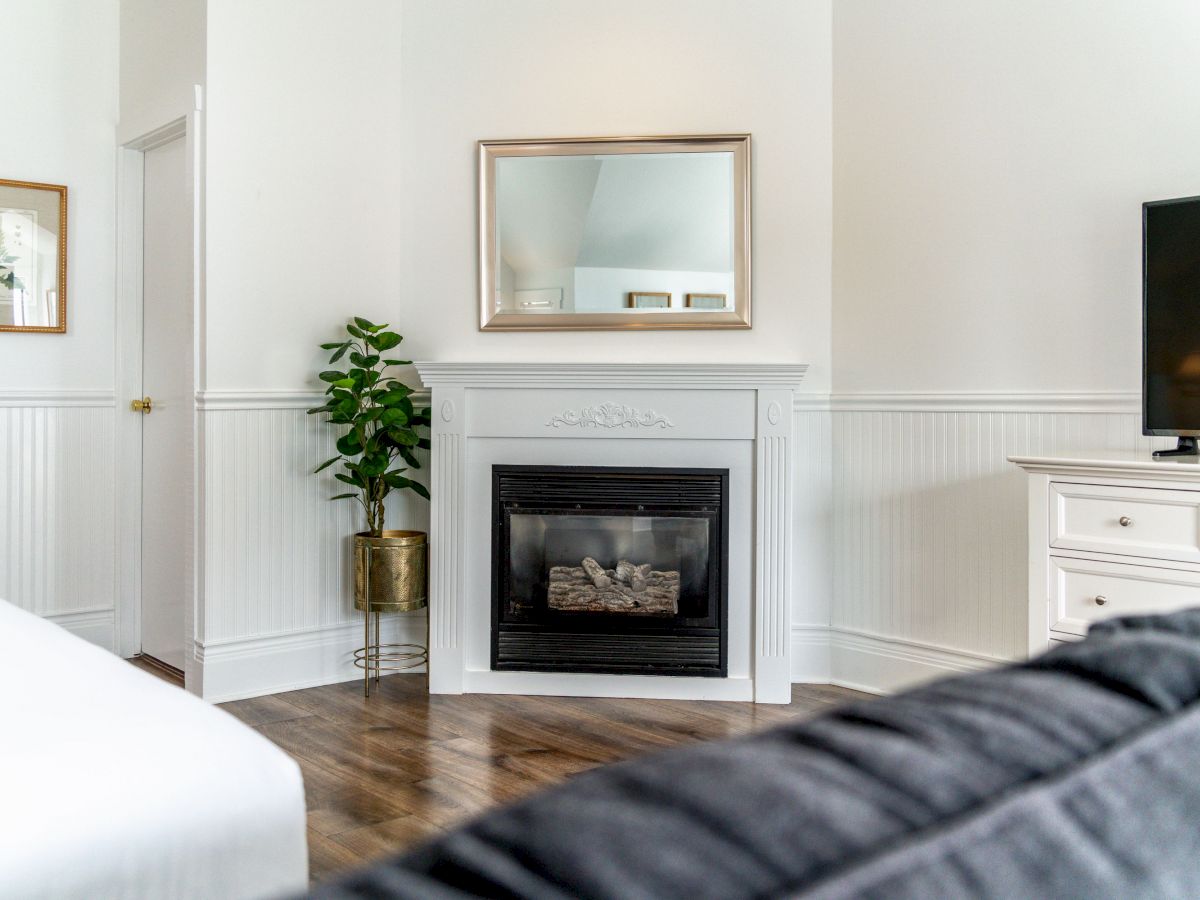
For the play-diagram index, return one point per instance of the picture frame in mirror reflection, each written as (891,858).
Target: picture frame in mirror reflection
(705,301)
(649,300)
(33,257)
(596,220)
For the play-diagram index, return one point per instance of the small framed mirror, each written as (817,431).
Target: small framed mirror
(33,256)
(614,233)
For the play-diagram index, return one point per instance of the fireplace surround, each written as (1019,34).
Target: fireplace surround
(610,569)
(732,417)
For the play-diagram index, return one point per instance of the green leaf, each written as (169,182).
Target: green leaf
(417,488)
(332,346)
(349,445)
(390,417)
(349,496)
(385,341)
(404,436)
(319,409)
(352,480)
(397,362)
(394,397)
(357,332)
(341,352)
(367,325)
(374,465)
(365,362)
(326,464)
(332,375)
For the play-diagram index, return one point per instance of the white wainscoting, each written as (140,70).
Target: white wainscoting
(57,509)
(278,612)
(929,526)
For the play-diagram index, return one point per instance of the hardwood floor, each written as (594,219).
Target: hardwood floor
(385,773)
(158,669)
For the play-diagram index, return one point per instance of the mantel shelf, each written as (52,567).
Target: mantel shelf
(707,376)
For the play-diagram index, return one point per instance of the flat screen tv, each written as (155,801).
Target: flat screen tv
(1171,321)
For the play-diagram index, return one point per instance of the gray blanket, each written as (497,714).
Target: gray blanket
(1074,775)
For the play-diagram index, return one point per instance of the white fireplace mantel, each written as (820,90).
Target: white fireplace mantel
(703,415)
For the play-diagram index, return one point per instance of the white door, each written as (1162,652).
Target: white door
(167,380)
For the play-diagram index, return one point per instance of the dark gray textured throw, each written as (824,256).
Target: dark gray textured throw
(1076,774)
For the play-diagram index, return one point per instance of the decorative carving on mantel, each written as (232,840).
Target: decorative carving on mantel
(610,415)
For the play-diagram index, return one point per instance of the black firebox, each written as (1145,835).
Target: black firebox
(610,570)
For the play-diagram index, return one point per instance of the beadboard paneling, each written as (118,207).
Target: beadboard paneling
(57,509)
(277,550)
(930,520)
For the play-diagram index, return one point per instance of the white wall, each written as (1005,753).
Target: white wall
(341,163)
(304,208)
(59,72)
(990,160)
(162,57)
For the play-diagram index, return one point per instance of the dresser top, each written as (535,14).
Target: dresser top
(1110,462)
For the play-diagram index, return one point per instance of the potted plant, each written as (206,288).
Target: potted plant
(383,431)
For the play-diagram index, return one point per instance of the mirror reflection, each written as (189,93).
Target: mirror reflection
(644,232)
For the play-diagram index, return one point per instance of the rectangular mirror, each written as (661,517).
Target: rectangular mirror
(33,256)
(612,233)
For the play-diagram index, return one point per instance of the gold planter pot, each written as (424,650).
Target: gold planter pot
(389,576)
(391,568)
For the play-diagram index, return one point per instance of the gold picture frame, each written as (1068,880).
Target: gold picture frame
(493,316)
(648,300)
(705,301)
(33,257)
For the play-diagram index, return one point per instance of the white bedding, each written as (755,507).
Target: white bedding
(115,784)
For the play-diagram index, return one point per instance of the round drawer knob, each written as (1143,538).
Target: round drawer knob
(1101,599)
(1125,521)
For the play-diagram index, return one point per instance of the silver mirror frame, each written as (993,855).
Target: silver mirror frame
(490,151)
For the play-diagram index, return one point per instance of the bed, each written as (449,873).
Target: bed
(116,784)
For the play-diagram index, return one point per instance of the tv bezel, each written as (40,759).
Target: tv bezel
(1162,432)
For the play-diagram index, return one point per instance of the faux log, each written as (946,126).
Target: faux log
(596,573)
(572,589)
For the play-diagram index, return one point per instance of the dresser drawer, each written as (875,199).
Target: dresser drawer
(1143,522)
(1083,591)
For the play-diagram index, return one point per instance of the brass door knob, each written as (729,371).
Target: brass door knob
(1101,599)
(143,406)
(1125,521)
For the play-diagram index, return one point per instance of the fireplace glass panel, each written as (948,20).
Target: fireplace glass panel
(542,545)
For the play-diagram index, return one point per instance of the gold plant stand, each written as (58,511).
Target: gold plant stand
(389,576)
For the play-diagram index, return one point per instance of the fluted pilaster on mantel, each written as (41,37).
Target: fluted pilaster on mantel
(773,533)
(447,543)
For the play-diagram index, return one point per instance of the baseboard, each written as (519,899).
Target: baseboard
(271,664)
(96,626)
(874,663)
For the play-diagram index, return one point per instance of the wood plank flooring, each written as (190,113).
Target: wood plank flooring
(385,773)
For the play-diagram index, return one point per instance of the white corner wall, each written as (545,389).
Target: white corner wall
(59,71)
(162,58)
(989,165)
(341,179)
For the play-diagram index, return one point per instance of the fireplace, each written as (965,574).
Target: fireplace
(610,570)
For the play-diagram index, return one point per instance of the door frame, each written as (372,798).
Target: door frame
(129,337)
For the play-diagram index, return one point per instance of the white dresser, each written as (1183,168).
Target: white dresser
(1109,536)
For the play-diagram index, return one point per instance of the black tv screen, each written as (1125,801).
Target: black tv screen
(1171,317)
